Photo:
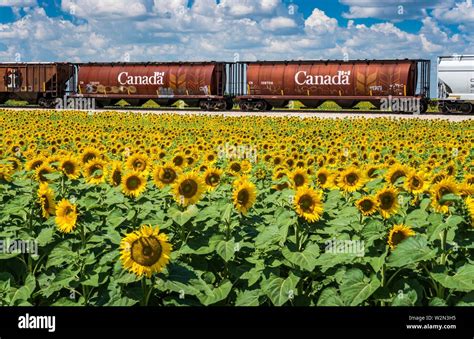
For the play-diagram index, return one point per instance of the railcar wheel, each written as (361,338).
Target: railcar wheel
(260,106)
(465,108)
(204,105)
(245,105)
(220,105)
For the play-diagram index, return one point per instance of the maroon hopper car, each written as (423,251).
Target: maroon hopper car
(346,83)
(197,84)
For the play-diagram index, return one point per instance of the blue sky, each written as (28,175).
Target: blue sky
(138,30)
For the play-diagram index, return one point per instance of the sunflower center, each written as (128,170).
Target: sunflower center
(212,179)
(88,156)
(416,183)
(68,167)
(178,161)
(188,188)
(133,183)
(352,178)
(96,171)
(366,205)
(299,180)
(117,177)
(236,167)
(68,210)
(396,176)
(146,251)
(44,198)
(398,237)
(386,201)
(322,178)
(306,202)
(168,175)
(139,165)
(243,197)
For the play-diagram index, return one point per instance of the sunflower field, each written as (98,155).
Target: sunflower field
(161,209)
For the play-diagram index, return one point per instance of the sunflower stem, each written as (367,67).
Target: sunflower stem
(146,292)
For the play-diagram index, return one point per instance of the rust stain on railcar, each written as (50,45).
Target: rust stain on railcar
(333,79)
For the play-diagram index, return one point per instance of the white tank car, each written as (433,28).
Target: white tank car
(456,83)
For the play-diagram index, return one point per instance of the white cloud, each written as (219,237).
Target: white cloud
(278,23)
(462,13)
(392,10)
(117,9)
(319,23)
(18,3)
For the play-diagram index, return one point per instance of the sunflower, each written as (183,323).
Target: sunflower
(46,199)
(42,171)
(165,175)
(439,190)
(235,167)
(70,166)
(145,251)
(212,178)
(5,171)
(416,182)
(324,177)
(138,162)
(470,208)
(133,183)
(66,216)
(370,171)
(260,173)
(188,188)
(397,234)
(299,177)
(308,203)
(95,171)
(179,159)
(246,166)
(387,201)
(15,163)
(244,196)
(88,154)
(280,174)
(396,172)
(351,179)
(35,162)
(367,205)
(115,178)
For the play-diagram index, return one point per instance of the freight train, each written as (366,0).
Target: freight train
(253,86)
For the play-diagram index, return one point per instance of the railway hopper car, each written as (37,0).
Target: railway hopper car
(199,84)
(36,83)
(273,84)
(456,84)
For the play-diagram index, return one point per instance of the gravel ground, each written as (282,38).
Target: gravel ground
(324,115)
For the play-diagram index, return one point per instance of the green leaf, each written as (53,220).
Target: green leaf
(410,251)
(248,298)
(24,292)
(462,280)
(183,217)
(226,249)
(306,259)
(213,295)
(45,236)
(330,297)
(437,302)
(281,290)
(356,287)
(328,260)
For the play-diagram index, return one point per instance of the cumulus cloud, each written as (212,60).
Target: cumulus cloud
(319,23)
(392,10)
(462,13)
(105,9)
(18,3)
